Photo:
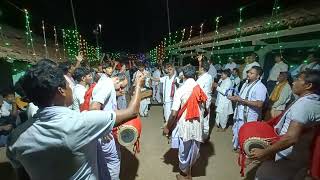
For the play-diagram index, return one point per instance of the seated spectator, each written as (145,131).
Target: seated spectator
(278,67)
(7,122)
(281,95)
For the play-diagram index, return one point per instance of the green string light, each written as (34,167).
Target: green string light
(29,34)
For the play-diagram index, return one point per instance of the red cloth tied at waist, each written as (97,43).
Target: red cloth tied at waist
(192,105)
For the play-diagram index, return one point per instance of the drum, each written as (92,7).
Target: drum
(128,134)
(256,135)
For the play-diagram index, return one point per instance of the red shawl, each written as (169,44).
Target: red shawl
(192,105)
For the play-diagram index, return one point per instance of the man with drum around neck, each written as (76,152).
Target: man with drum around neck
(299,130)
(249,103)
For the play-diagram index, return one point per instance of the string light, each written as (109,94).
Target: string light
(56,43)
(29,34)
(215,37)
(45,40)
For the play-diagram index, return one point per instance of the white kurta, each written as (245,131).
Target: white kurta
(223,104)
(144,104)
(187,130)
(78,96)
(156,86)
(167,99)
(205,82)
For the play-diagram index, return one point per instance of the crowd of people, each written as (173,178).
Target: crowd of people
(64,131)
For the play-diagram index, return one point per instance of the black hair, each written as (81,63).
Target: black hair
(256,57)
(80,72)
(189,71)
(46,62)
(258,69)
(313,77)
(140,64)
(205,65)
(170,64)
(5,93)
(237,70)
(107,65)
(288,76)
(40,83)
(65,67)
(226,72)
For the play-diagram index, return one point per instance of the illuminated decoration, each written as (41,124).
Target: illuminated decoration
(44,40)
(190,34)
(63,43)
(275,19)
(239,31)
(91,53)
(201,31)
(216,33)
(56,44)
(71,43)
(29,34)
(115,55)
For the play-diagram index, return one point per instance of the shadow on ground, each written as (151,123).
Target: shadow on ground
(129,165)
(199,168)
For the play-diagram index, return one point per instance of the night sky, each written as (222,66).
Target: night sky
(131,25)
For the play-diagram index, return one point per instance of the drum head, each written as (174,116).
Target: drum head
(127,135)
(254,142)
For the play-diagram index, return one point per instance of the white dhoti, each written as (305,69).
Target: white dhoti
(189,152)
(235,129)
(144,107)
(122,102)
(206,121)
(156,93)
(109,158)
(167,110)
(222,119)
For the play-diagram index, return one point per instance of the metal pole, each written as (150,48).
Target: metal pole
(168,15)
(74,17)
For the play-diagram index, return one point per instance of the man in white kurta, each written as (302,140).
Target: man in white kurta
(249,102)
(109,152)
(168,89)
(250,62)
(156,86)
(144,104)
(223,104)
(277,68)
(297,128)
(188,132)
(230,65)
(83,77)
(205,81)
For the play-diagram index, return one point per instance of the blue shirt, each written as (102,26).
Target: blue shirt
(58,143)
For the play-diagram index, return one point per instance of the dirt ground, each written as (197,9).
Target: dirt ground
(157,162)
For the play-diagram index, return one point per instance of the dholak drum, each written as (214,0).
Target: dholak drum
(256,135)
(128,133)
